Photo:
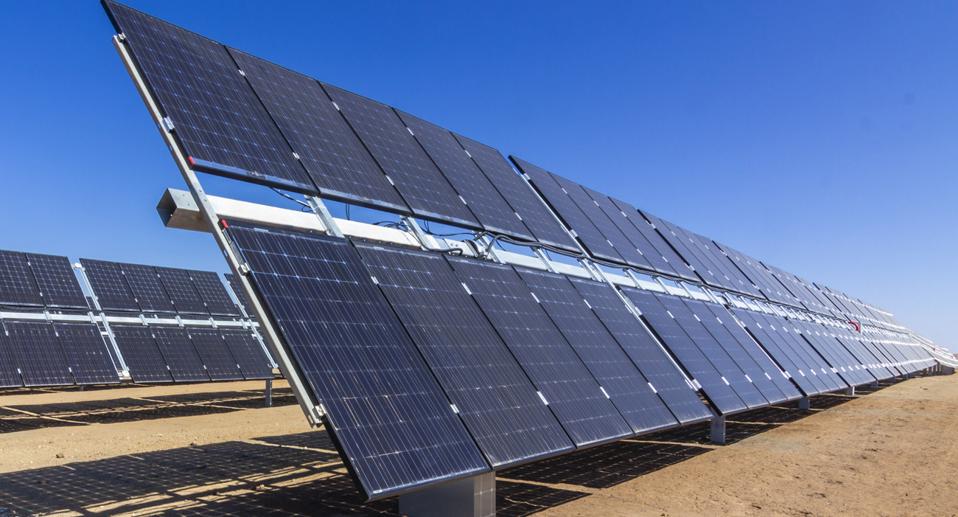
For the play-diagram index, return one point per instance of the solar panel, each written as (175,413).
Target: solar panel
(213,293)
(818,367)
(683,248)
(648,356)
(147,288)
(806,359)
(732,373)
(391,419)
(240,293)
(216,118)
(38,354)
(524,202)
(85,353)
(649,257)
(9,375)
(17,286)
(692,358)
(626,386)
(482,198)
(178,285)
(57,282)
(215,354)
(574,396)
(558,198)
(329,149)
(108,284)
(249,354)
(783,354)
(141,355)
(499,405)
(416,177)
(655,240)
(180,355)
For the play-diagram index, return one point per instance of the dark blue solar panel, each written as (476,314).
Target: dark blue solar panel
(178,351)
(391,419)
(575,397)
(58,283)
(249,354)
(690,255)
(558,198)
(482,198)
(17,285)
(743,355)
(732,373)
(784,352)
(329,149)
(722,396)
(416,177)
(110,288)
(147,288)
(213,293)
(649,257)
(495,398)
(629,390)
(85,353)
(179,286)
(141,355)
(9,376)
(520,196)
(817,366)
(219,362)
(38,354)
(770,370)
(655,242)
(607,229)
(834,353)
(648,356)
(218,121)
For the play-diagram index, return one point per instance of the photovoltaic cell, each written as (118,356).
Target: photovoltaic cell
(329,149)
(218,121)
(213,293)
(38,354)
(147,288)
(9,376)
(390,418)
(248,354)
(574,396)
(179,286)
(177,349)
(482,198)
(781,352)
(421,184)
(523,200)
(109,285)
(558,198)
(85,353)
(17,286)
(648,257)
(219,362)
(58,284)
(723,397)
(627,388)
(496,400)
(142,357)
(648,356)
(655,240)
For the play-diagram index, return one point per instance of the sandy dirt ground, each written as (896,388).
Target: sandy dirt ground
(214,450)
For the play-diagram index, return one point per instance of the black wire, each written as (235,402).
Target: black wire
(291,198)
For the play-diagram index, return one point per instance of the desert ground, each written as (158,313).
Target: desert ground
(213,449)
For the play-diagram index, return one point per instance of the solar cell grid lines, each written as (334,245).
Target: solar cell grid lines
(481,196)
(147,288)
(337,161)
(85,354)
(416,177)
(216,117)
(142,356)
(499,405)
(179,286)
(655,239)
(37,353)
(524,202)
(390,417)
(570,213)
(109,286)
(573,394)
(215,354)
(628,389)
(9,376)
(249,354)
(179,354)
(57,282)
(17,285)
(213,293)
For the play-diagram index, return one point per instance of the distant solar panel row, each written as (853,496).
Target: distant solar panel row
(34,280)
(52,354)
(482,359)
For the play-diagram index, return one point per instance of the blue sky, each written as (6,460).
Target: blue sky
(819,136)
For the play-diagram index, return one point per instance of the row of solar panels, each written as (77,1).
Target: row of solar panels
(237,115)
(431,366)
(63,349)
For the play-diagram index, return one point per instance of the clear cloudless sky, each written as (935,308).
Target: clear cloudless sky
(818,136)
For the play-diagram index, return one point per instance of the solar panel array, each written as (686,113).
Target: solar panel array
(427,366)
(72,345)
